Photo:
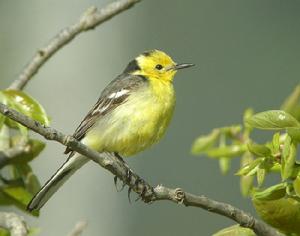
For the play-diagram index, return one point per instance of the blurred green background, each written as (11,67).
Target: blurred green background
(247,55)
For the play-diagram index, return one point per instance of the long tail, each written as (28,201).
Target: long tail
(56,181)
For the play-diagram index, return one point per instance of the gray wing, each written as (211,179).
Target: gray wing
(112,96)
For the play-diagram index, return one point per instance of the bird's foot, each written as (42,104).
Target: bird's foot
(144,190)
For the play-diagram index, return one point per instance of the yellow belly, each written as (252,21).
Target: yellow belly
(136,124)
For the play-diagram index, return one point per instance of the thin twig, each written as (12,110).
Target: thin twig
(89,20)
(78,229)
(148,193)
(14,223)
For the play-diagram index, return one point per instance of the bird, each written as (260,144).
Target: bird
(131,114)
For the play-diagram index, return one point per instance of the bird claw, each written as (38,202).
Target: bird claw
(128,194)
(116,184)
(139,185)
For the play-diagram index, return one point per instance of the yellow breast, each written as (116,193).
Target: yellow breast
(136,124)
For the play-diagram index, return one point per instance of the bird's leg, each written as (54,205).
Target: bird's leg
(128,174)
(116,184)
(129,171)
(128,194)
(139,185)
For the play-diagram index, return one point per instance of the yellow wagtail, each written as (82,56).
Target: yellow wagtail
(131,114)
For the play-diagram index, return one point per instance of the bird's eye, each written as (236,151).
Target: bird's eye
(159,66)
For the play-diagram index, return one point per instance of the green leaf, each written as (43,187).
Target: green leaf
(4,138)
(4,232)
(224,164)
(32,148)
(34,231)
(235,230)
(296,185)
(260,175)
(246,182)
(259,150)
(246,185)
(2,119)
(231,131)
(294,133)
(227,151)
(26,105)
(271,193)
(247,114)
(273,119)
(276,143)
(20,196)
(251,168)
(31,182)
(283,214)
(205,142)
(291,104)
(4,199)
(288,158)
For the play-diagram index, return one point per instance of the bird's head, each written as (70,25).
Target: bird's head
(155,64)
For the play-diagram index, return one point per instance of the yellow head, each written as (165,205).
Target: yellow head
(155,64)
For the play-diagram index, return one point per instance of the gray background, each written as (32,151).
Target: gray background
(246,52)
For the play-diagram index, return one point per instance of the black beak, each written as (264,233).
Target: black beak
(182,66)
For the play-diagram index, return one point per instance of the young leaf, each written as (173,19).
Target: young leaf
(4,232)
(247,114)
(20,196)
(291,104)
(273,119)
(205,142)
(231,131)
(227,151)
(235,230)
(296,185)
(26,105)
(294,133)
(4,138)
(288,158)
(34,231)
(30,181)
(251,168)
(246,182)
(4,199)
(271,193)
(283,214)
(260,175)
(2,119)
(276,143)
(259,150)
(224,164)
(33,148)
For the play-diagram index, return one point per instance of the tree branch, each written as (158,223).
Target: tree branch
(135,183)
(89,20)
(13,223)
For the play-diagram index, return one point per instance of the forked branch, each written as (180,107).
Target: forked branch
(91,18)
(137,184)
